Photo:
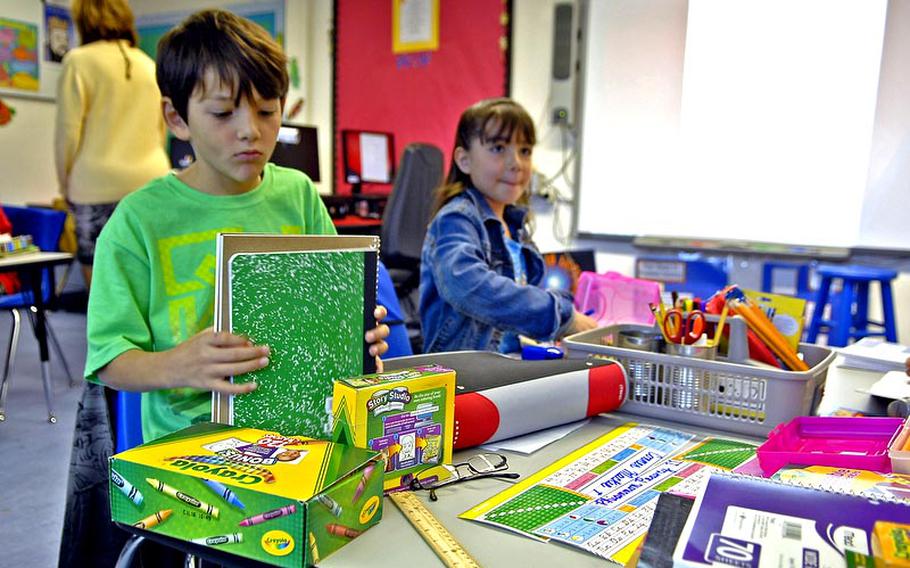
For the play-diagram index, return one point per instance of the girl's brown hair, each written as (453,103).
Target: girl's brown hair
(104,20)
(485,121)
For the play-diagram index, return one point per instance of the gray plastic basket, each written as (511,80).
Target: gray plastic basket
(717,393)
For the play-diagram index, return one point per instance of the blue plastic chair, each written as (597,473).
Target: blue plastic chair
(45,226)
(850,309)
(128,407)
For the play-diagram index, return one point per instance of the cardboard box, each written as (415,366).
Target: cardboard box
(286,501)
(407,414)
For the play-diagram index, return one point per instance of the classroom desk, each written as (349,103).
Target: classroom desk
(395,543)
(30,267)
(357,225)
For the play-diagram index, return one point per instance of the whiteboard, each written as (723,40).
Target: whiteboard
(780,121)
(32,12)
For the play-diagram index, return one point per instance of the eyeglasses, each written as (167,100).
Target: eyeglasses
(477,466)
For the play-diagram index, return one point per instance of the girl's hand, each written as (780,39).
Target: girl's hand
(581,322)
(376,336)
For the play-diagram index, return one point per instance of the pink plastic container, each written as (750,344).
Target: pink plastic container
(615,299)
(855,443)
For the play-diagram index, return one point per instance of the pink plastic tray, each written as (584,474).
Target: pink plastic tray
(856,443)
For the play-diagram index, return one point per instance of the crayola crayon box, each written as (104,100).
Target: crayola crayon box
(282,500)
(408,415)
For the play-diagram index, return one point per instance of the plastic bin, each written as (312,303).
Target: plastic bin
(718,394)
(834,441)
(612,298)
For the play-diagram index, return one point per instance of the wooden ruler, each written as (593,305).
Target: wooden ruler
(440,540)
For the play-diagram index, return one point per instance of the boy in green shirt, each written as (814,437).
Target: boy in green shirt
(223,82)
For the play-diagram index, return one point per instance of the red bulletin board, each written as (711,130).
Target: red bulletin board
(416,96)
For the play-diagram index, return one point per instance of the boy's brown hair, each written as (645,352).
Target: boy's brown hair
(485,121)
(99,20)
(239,52)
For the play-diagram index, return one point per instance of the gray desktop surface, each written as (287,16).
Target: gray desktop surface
(393,542)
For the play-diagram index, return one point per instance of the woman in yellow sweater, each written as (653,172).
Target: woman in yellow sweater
(110,132)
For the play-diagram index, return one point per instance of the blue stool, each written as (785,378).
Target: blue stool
(849,313)
(801,272)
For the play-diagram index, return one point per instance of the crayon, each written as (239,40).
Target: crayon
(341,530)
(314,549)
(266,475)
(268,515)
(232,538)
(153,519)
(224,493)
(364,479)
(329,504)
(127,488)
(181,496)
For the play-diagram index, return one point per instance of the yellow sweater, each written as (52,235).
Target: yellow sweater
(110,133)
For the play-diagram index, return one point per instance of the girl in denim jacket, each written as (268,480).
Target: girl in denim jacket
(481,274)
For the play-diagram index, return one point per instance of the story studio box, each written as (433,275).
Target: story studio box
(283,500)
(408,415)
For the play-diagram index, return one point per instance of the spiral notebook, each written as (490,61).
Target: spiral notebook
(759,523)
(311,300)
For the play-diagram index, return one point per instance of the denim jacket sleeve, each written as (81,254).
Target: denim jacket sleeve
(471,286)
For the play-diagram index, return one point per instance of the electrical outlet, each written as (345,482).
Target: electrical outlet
(560,115)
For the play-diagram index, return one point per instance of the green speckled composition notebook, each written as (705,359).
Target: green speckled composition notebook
(310,299)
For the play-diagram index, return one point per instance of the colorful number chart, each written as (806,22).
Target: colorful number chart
(601,497)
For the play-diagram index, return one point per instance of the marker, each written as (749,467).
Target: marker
(127,488)
(268,515)
(590,312)
(224,493)
(153,520)
(362,485)
(341,530)
(181,496)
(329,504)
(232,538)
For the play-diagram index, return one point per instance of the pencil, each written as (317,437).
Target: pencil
(660,321)
(720,326)
(766,331)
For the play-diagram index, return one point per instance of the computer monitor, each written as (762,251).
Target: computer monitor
(368,157)
(297,148)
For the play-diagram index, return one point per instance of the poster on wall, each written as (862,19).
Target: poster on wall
(19,55)
(415,25)
(267,13)
(59,32)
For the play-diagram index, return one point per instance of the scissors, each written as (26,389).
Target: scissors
(684,329)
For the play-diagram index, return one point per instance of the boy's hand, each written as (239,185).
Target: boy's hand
(376,336)
(205,360)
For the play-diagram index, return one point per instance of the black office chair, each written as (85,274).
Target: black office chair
(404,225)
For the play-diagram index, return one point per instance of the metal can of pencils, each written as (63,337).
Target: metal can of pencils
(687,382)
(642,374)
